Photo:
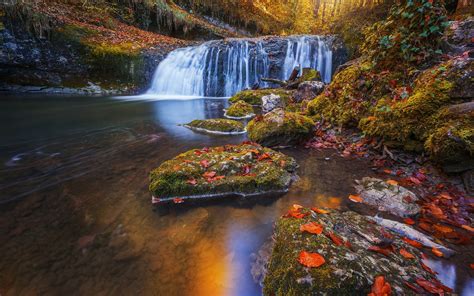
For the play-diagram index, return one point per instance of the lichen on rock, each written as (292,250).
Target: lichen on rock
(280,128)
(242,170)
(239,109)
(350,268)
(254,97)
(217,125)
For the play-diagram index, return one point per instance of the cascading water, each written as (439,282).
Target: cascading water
(222,68)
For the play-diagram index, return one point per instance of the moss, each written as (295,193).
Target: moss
(239,169)
(254,97)
(218,125)
(240,109)
(309,75)
(280,128)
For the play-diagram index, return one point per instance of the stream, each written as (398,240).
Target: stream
(77,217)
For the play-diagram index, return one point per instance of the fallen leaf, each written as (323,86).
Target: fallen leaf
(442,228)
(191,181)
(312,227)
(204,163)
(425,226)
(468,228)
(409,221)
(294,212)
(210,174)
(427,268)
(392,182)
(413,243)
(472,265)
(355,198)
(178,200)
(429,286)
(264,156)
(335,239)
(311,259)
(406,254)
(320,211)
(384,251)
(417,289)
(437,252)
(380,287)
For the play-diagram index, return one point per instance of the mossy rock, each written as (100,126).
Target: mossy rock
(240,109)
(349,268)
(309,74)
(280,128)
(218,125)
(254,97)
(231,170)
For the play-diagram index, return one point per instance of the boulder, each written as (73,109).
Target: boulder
(271,102)
(217,126)
(240,109)
(280,128)
(254,97)
(386,197)
(232,170)
(308,90)
(349,267)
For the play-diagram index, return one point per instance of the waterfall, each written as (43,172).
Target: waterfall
(222,68)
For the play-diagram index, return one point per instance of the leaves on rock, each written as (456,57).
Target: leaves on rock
(406,254)
(311,259)
(335,239)
(413,243)
(312,227)
(380,287)
(355,198)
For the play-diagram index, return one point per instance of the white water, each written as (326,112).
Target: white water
(222,69)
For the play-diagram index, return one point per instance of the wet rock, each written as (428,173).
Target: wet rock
(457,38)
(259,262)
(394,199)
(232,170)
(350,268)
(254,97)
(271,102)
(217,126)
(240,109)
(308,90)
(280,128)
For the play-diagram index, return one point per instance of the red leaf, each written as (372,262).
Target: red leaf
(384,251)
(191,181)
(311,259)
(406,254)
(320,211)
(437,252)
(178,200)
(409,221)
(413,243)
(312,227)
(417,289)
(264,156)
(204,163)
(427,268)
(380,287)
(429,286)
(355,198)
(335,239)
(294,212)
(392,182)
(210,174)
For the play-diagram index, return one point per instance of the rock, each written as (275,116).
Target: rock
(232,170)
(259,262)
(217,126)
(308,90)
(468,180)
(394,199)
(271,102)
(280,128)
(240,109)
(457,38)
(254,97)
(350,268)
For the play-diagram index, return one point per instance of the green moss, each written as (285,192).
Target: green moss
(254,97)
(310,75)
(240,109)
(218,125)
(280,128)
(240,169)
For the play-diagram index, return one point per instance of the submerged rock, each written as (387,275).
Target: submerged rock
(254,97)
(217,126)
(280,128)
(349,268)
(386,197)
(271,102)
(240,109)
(242,170)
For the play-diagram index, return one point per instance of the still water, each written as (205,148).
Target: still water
(76,216)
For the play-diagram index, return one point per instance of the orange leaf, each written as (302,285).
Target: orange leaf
(429,286)
(210,174)
(468,228)
(406,254)
(425,226)
(204,163)
(312,227)
(384,251)
(264,156)
(472,265)
(392,182)
(413,243)
(191,181)
(311,259)
(355,198)
(443,228)
(437,252)
(409,221)
(320,211)
(335,239)
(178,200)
(427,268)
(380,287)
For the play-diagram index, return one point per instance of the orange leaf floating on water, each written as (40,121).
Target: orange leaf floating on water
(406,254)
(335,239)
(384,251)
(355,198)
(191,181)
(409,221)
(320,211)
(311,259)
(178,200)
(437,252)
(413,243)
(392,182)
(204,163)
(312,227)
(429,286)
(380,287)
